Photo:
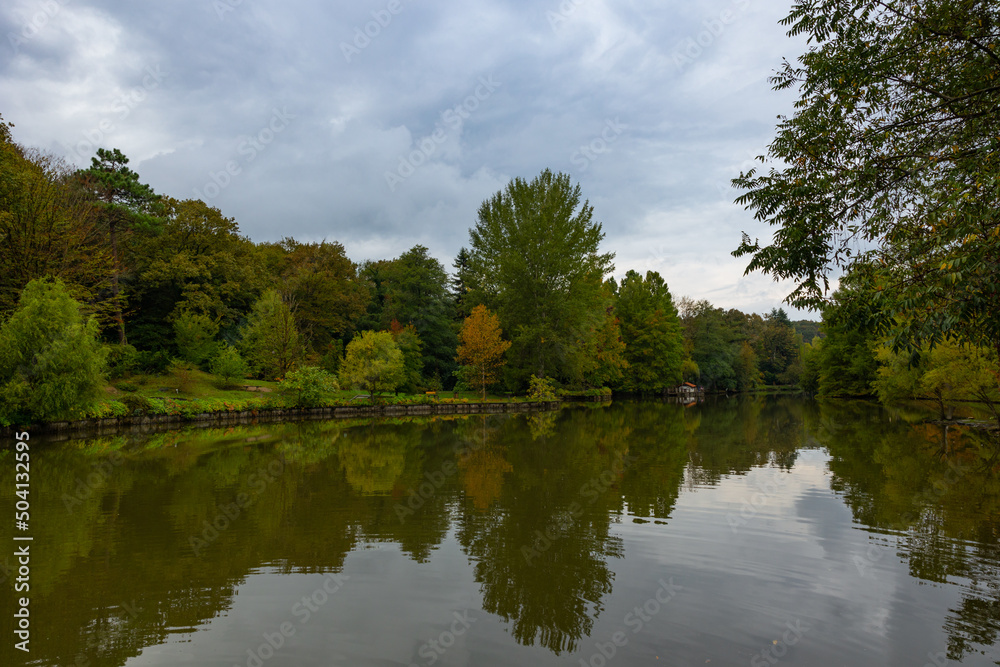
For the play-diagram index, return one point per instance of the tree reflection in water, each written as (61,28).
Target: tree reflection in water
(533,502)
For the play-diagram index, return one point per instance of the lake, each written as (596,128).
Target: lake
(740,531)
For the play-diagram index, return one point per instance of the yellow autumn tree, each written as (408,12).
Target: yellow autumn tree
(480,349)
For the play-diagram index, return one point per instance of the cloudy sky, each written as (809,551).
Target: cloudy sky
(385,123)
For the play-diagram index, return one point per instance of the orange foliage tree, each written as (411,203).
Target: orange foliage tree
(480,349)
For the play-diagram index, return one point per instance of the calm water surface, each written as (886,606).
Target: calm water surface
(748,531)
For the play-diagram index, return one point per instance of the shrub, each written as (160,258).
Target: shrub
(107,409)
(195,337)
(122,360)
(127,387)
(229,365)
(136,404)
(541,389)
(155,362)
(51,363)
(312,386)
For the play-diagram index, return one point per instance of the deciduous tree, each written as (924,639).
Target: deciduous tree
(481,349)
(329,294)
(535,260)
(51,363)
(410,345)
(194,335)
(47,227)
(373,362)
(889,167)
(198,262)
(651,330)
(271,341)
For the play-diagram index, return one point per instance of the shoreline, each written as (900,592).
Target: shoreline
(151,423)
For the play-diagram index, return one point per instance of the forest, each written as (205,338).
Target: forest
(106,279)
(881,192)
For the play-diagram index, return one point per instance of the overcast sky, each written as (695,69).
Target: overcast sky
(382,124)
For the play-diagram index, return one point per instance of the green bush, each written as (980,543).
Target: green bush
(51,363)
(108,409)
(311,384)
(153,362)
(194,335)
(137,404)
(541,389)
(229,365)
(122,360)
(126,387)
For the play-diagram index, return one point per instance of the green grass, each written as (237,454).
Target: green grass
(188,392)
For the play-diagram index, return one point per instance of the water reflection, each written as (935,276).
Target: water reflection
(140,539)
(936,488)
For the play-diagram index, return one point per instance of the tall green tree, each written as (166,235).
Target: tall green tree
(602,362)
(535,260)
(461,286)
(374,363)
(328,292)
(51,363)
(199,262)
(713,344)
(126,204)
(777,348)
(47,227)
(194,335)
(889,167)
(651,331)
(416,292)
(409,343)
(375,275)
(847,365)
(271,340)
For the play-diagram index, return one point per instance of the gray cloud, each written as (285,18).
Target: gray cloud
(362,85)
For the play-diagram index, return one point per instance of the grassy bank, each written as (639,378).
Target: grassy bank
(190,392)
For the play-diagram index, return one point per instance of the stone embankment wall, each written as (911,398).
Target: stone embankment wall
(143,423)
